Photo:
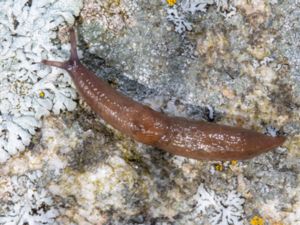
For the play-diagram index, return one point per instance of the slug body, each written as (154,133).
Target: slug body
(177,135)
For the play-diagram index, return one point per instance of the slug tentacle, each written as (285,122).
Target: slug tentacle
(180,136)
(73,61)
(74,55)
(62,65)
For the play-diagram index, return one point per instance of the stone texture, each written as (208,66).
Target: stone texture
(238,65)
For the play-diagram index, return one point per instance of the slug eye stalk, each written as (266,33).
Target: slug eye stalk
(73,60)
(62,65)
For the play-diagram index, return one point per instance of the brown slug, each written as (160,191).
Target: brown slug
(177,135)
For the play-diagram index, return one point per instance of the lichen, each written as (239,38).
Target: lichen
(171,2)
(257,220)
(24,202)
(227,208)
(240,63)
(29,90)
(179,13)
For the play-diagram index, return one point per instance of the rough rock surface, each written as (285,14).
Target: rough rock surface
(230,62)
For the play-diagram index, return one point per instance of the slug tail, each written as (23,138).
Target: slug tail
(261,143)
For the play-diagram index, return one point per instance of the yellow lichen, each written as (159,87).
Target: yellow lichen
(257,220)
(171,2)
(233,162)
(219,167)
(42,94)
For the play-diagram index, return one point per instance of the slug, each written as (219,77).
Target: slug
(177,135)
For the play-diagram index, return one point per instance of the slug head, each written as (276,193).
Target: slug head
(73,61)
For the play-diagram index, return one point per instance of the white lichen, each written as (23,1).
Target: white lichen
(272,131)
(179,20)
(193,6)
(226,209)
(179,13)
(23,201)
(29,90)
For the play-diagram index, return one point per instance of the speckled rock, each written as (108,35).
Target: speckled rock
(235,62)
